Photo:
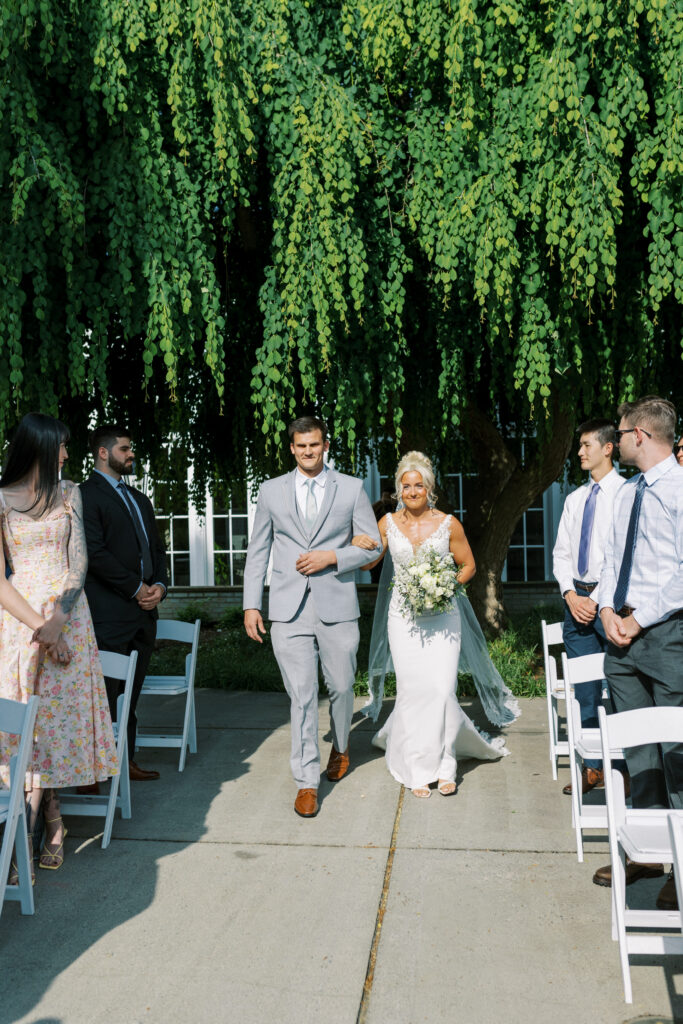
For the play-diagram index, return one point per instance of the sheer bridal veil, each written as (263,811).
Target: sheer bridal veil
(498,702)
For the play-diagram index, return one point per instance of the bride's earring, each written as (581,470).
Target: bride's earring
(399,505)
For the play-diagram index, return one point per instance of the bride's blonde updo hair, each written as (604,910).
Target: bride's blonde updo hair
(416,462)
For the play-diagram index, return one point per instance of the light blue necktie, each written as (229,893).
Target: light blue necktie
(587,529)
(311,513)
(629,547)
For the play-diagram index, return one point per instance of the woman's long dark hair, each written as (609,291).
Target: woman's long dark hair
(35,444)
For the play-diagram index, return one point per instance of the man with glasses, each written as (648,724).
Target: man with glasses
(641,606)
(577,564)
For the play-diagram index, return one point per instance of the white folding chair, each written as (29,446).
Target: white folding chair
(551,634)
(584,744)
(640,834)
(18,720)
(116,666)
(676,839)
(173,686)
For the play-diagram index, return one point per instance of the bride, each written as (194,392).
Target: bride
(428,729)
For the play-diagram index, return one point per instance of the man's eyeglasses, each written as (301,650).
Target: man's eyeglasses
(620,433)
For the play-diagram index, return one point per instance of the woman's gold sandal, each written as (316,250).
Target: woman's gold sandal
(52,859)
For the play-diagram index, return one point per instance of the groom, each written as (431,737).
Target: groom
(307,518)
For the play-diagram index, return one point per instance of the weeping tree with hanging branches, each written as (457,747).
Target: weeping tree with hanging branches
(448,225)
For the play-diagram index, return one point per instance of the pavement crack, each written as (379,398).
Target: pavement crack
(381,909)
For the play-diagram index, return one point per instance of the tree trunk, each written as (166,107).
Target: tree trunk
(504,490)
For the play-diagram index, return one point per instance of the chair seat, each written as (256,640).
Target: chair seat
(168,685)
(589,746)
(645,837)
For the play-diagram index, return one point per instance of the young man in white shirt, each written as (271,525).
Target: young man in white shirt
(641,606)
(577,564)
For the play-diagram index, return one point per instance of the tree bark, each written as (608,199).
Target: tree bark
(504,490)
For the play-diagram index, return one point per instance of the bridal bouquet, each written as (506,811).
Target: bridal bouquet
(427,583)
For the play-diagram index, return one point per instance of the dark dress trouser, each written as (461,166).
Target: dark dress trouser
(649,673)
(579,640)
(143,643)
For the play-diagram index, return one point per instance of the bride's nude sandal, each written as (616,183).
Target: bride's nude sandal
(422,793)
(447,788)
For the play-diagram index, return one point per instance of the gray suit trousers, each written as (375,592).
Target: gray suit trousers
(649,673)
(297,645)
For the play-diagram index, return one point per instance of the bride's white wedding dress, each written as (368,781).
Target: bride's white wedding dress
(427,730)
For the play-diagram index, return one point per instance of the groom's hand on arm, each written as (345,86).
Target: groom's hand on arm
(311,562)
(253,623)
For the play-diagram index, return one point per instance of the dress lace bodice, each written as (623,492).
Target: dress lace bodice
(402,549)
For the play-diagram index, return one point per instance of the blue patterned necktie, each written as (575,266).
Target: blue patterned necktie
(629,547)
(587,529)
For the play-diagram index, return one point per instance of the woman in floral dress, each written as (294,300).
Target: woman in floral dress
(44,546)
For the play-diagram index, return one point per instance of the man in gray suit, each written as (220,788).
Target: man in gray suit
(307,518)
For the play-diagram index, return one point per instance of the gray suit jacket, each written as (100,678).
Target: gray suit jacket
(345,511)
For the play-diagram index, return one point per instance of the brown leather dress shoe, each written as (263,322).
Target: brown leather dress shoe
(338,765)
(92,790)
(603,876)
(668,898)
(590,778)
(139,774)
(306,803)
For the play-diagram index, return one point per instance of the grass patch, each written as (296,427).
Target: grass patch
(229,660)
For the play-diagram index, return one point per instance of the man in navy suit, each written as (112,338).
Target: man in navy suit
(127,575)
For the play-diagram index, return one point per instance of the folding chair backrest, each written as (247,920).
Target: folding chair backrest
(644,725)
(171,629)
(586,669)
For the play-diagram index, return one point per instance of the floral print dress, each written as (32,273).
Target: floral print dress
(74,741)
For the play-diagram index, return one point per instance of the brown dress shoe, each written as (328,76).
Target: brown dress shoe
(668,898)
(603,876)
(92,790)
(338,765)
(139,774)
(306,803)
(590,778)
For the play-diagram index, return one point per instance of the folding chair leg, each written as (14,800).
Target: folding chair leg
(619,908)
(575,775)
(25,886)
(124,786)
(193,727)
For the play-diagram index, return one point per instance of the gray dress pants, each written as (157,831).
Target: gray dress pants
(648,674)
(297,645)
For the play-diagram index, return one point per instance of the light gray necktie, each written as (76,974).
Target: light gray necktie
(311,513)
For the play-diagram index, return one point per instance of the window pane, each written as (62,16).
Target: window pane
(221,536)
(181,570)
(535,564)
(164,531)
(238,569)
(534,527)
(221,570)
(518,535)
(451,490)
(239,533)
(515,565)
(181,534)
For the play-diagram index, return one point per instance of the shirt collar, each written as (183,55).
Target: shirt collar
(654,472)
(111,480)
(607,482)
(320,479)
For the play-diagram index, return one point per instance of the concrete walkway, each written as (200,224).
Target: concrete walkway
(216,903)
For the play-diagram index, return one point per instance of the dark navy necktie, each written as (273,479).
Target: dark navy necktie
(146,565)
(587,529)
(629,547)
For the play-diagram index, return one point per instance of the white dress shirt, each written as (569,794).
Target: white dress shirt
(566,550)
(317,488)
(655,588)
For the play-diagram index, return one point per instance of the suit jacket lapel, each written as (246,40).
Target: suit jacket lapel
(108,492)
(289,487)
(328,498)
